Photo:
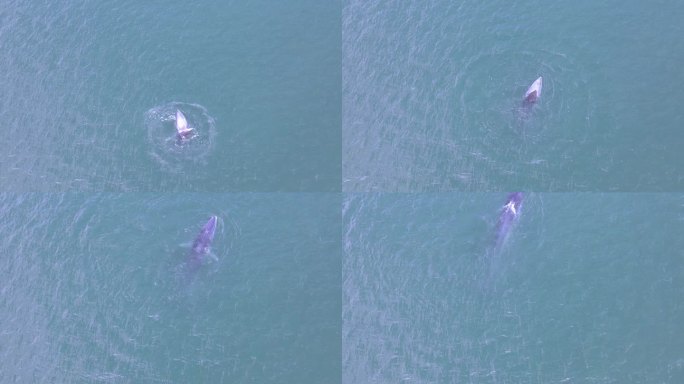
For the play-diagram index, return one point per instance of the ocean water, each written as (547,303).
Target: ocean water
(587,288)
(312,120)
(88,88)
(95,288)
(432,95)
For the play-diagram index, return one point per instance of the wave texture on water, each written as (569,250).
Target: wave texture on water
(580,292)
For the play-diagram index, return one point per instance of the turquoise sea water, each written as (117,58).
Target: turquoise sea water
(313,119)
(94,289)
(81,81)
(587,289)
(432,92)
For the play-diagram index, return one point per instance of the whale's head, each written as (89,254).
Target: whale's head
(210,228)
(202,243)
(516,197)
(534,91)
(514,203)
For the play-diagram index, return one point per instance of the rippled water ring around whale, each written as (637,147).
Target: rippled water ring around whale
(166,148)
(491,87)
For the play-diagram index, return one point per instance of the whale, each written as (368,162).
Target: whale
(533,92)
(509,214)
(182,130)
(199,252)
(494,266)
(201,246)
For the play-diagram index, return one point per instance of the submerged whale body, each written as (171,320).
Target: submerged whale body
(494,264)
(533,92)
(202,243)
(509,214)
(201,249)
(182,129)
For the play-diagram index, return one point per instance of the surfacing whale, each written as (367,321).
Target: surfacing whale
(494,265)
(183,132)
(509,214)
(202,244)
(201,249)
(533,92)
